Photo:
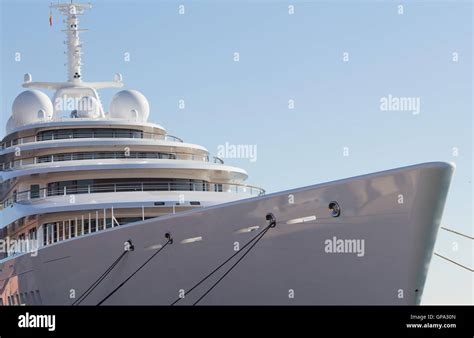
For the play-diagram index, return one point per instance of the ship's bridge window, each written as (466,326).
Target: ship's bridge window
(88,133)
(104,133)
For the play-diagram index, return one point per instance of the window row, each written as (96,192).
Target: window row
(60,134)
(128,184)
(112,185)
(104,155)
(28,298)
(59,231)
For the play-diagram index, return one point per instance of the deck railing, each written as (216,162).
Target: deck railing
(28,195)
(81,156)
(90,135)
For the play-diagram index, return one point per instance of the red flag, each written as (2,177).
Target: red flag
(50,19)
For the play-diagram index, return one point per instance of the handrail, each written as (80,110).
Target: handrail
(43,193)
(218,160)
(83,156)
(78,135)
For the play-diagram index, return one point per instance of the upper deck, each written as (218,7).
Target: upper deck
(84,128)
(68,146)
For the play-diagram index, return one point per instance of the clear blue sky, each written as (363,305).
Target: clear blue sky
(285,57)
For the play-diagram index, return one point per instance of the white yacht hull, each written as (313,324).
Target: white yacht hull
(397,213)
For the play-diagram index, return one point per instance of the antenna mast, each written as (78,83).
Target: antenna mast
(72,11)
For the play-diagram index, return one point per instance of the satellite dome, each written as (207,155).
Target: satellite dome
(129,105)
(29,107)
(11,125)
(88,107)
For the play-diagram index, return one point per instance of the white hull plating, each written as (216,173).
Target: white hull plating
(290,265)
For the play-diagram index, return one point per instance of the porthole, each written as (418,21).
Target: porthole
(334,209)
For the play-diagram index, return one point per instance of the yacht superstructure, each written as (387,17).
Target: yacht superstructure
(78,181)
(74,150)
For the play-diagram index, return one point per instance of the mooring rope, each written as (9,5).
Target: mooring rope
(169,241)
(255,239)
(91,288)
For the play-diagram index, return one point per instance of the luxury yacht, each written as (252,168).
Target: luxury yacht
(101,206)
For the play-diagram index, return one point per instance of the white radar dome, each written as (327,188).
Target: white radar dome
(88,107)
(11,125)
(29,107)
(129,105)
